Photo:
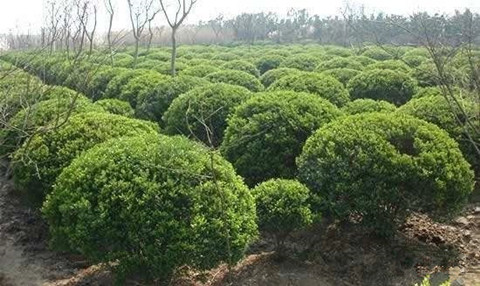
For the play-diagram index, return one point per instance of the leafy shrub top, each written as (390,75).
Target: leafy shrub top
(368,105)
(152,204)
(234,77)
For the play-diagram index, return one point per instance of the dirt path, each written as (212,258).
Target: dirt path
(24,257)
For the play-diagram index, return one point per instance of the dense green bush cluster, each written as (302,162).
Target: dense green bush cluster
(116,106)
(151,204)
(234,77)
(242,66)
(268,62)
(322,85)
(381,167)
(202,112)
(200,70)
(136,85)
(303,62)
(152,103)
(267,132)
(368,105)
(38,163)
(339,62)
(377,53)
(282,207)
(273,75)
(389,85)
(451,117)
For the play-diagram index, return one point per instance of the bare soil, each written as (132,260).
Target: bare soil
(327,254)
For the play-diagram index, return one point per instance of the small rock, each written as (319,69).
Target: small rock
(458,282)
(476,210)
(462,221)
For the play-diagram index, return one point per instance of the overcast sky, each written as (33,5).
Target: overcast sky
(28,14)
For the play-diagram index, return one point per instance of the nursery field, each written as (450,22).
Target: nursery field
(250,165)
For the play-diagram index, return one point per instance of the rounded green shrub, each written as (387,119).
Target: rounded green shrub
(282,207)
(116,106)
(394,65)
(200,70)
(241,66)
(377,53)
(42,116)
(436,109)
(144,83)
(273,75)
(392,86)
(368,105)
(118,82)
(38,163)
(343,75)
(151,204)
(152,103)
(380,167)
(339,62)
(322,85)
(303,62)
(427,75)
(267,132)
(202,112)
(268,62)
(97,86)
(234,77)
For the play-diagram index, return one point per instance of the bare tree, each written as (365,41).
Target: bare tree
(111,13)
(140,15)
(183,8)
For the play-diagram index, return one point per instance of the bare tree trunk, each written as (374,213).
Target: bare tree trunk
(174,51)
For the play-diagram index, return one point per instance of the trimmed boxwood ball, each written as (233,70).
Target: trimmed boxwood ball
(339,62)
(322,85)
(38,163)
(267,132)
(145,82)
(202,112)
(377,53)
(117,83)
(152,103)
(152,204)
(392,86)
(303,62)
(343,75)
(282,207)
(200,70)
(241,66)
(268,62)
(395,65)
(234,77)
(97,86)
(116,106)
(381,167)
(436,109)
(273,75)
(37,118)
(368,105)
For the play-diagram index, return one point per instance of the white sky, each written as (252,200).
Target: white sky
(28,14)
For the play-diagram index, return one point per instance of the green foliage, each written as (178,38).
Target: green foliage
(234,77)
(151,204)
(394,65)
(97,86)
(436,109)
(241,66)
(152,103)
(368,105)
(48,113)
(202,112)
(267,132)
(268,62)
(339,62)
(200,70)
(343,75)
(389,85)
(323,85)
(144,83)
(38,163)
(117,83)
(273,75)
(382,167)
(377,53)
(116,106)
(282,207)
(303,62)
